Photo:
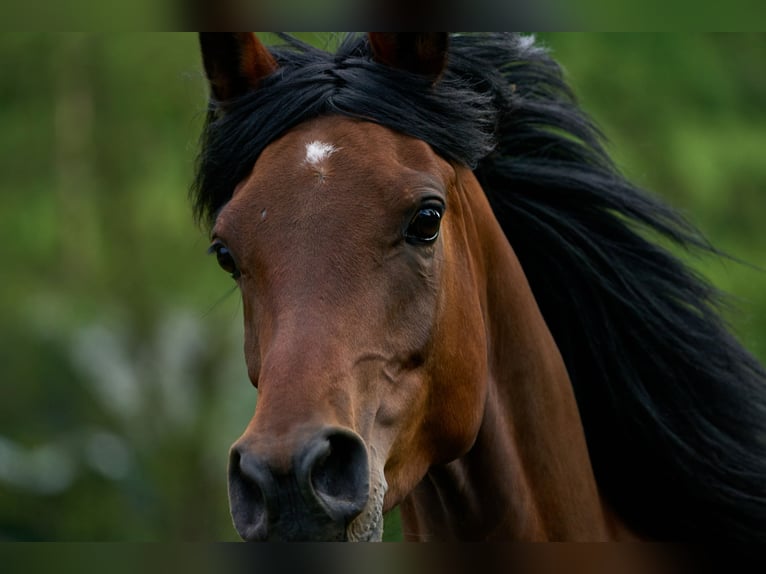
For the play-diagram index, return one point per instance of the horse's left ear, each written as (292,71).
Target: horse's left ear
(423,53)
(235,62)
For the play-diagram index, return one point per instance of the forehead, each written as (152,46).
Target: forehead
(343,150)
(335,160)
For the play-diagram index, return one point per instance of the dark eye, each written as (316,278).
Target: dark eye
(424,227)
(225,259)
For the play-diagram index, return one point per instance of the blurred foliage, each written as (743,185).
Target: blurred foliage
(123,382)
(686,118)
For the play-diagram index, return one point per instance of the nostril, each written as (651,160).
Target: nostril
(248,507)
(339,474)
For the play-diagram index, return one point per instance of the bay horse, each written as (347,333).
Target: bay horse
(454,303)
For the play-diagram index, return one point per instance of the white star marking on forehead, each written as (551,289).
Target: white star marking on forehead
(317,151)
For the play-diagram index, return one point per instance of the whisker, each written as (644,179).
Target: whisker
(218,301)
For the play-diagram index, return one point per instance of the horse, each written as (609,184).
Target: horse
(456,305)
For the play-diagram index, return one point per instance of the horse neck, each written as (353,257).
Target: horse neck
(528,475)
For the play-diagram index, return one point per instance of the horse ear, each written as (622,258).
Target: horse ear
(423,53)
(235,62)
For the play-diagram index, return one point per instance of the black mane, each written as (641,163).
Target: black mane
(674,408)
(457,119)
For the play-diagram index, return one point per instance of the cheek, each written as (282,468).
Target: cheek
(411,302)
(458,365)
(252,340)
(458,388)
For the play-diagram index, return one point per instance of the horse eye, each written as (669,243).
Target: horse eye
(225,259)
(424,227)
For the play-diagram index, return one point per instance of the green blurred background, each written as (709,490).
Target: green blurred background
(121,370)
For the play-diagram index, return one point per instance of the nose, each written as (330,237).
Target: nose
(323,490)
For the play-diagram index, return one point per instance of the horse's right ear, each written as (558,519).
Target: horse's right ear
(235,62)
(423,53)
